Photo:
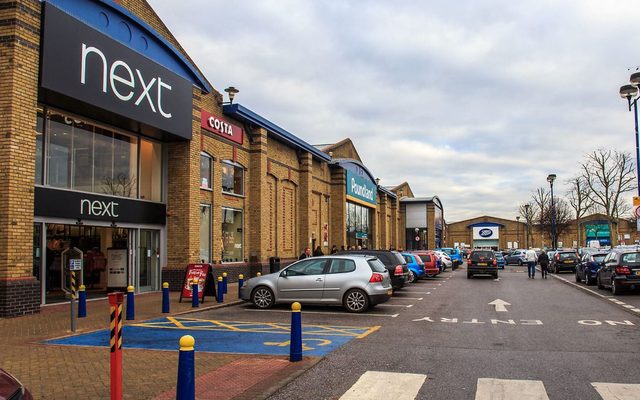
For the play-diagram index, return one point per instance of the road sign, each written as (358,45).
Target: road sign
(637,212)
(636,201)
(75,264)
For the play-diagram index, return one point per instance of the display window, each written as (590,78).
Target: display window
(232,178)
(205,232)
(206,171)
(232,237)
(358,225)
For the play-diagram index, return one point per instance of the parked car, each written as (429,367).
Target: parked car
(392,260)
(355,282)
(500,259)
(454,254)
(621,271)
(587,268)
(415,265)
(446,260)
(563,260)
(11,388)
(430,260)
(516,257)
(482,262)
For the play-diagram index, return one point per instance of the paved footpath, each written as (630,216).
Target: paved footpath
(71,372)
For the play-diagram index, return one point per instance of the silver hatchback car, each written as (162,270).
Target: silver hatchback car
(354,281)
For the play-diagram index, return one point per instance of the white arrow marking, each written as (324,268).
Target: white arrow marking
(500,305)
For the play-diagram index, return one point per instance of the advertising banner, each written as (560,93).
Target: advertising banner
(220,127)
(485,232)
(361,189)
(201,272)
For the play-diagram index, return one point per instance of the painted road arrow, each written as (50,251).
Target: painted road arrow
(500,305)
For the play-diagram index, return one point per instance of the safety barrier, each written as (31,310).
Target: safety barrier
(82,302)
(115,343)
(186,388)
(165,298)
(131,308)
(295,344)
(240,283)
(195,299)
(220,293)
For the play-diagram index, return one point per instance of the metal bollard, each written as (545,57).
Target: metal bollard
(195,300)
(115,342)
(186,388)
(82,302)
(220,294)
(224,282)
(240,283)
(131,304)
(165,298)
(295,346)
(259,274)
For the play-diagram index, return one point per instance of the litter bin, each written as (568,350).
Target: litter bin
(274,264)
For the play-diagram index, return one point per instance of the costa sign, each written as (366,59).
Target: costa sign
(221,127)
(86,65)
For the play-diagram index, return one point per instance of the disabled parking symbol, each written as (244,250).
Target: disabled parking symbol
(322,342)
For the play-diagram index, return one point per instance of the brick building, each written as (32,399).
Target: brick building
(117,151)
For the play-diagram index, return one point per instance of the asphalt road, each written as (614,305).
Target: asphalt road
(445,329)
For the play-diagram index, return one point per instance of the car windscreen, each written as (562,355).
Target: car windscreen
(630,258)
(568,256)
(376,265)
(482,255)
(399,257)
(498,256)
(449,251)
(599,257)
(425,258)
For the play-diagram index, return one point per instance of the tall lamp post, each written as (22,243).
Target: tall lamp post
(630,92)
(518,230)
(550,179)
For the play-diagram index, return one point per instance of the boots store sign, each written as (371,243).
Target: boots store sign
(86,65)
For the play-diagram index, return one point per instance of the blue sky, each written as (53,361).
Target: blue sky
(475,102)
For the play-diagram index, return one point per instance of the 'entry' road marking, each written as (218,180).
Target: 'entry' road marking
(490,389)
(617,391)
(374,385)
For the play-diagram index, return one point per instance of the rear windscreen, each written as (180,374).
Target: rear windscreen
(426,258)
(400,259)
(599,257)
(376,265)
(481,255)
(628,258)
(567,256)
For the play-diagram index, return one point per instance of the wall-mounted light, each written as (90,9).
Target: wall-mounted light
(231,92)
(377,181)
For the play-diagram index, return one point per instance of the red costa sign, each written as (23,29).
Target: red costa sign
(221,127)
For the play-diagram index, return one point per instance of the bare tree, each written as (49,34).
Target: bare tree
(528,212)
(608,174)
(561,217)
(541,198)
(579,200)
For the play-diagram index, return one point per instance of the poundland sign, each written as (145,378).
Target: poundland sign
(86,65)
(361,189)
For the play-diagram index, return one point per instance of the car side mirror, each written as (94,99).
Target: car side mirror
(283,274)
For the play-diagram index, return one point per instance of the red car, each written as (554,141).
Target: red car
(11,388)
(428,257)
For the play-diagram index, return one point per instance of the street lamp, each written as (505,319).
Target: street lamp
(526,213)
(518,231)
(550,179)
(630,92)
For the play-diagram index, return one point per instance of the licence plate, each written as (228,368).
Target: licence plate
(568,262)
(390,292)
(482,264)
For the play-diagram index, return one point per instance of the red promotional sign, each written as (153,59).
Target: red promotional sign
(195,271)
(221,127)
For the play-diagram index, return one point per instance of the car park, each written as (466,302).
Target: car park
(516,257)
(355,282)
(415,265)
(621,271)
(454,254)
(445,259)
(587,268)
(500,259)
(392,260)
(430,260)
(482,262)
(563,260)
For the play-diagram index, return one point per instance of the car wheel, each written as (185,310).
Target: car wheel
(469,275)
(599,282)
(615,288)
(412,276)
(356,301)
(520,263)
(578,277)
(262,297)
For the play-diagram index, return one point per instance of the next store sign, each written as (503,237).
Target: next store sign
(361,189)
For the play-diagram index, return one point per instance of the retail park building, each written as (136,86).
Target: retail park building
(115,149)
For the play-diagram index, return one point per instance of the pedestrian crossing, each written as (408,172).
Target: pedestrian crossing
(378,385)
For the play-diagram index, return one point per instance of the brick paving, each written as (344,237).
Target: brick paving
(71,372)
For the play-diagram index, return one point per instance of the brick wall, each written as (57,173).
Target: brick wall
(19,297)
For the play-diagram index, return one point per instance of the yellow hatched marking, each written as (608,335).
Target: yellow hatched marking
(175,322)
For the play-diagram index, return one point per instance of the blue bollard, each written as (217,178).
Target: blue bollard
(224,282)
(186,388)
(240,283)
(165,298)
(220,298)
(195,300)
(82,302)
(295,346)
(131,307)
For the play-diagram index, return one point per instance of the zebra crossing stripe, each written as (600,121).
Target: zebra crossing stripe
(505,389)
(375,385)
(617,391)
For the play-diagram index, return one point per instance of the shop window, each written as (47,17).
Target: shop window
(205,232)
(232,235)
(232,178)
(150,170)
(39,148)
(206,171)
(59,152)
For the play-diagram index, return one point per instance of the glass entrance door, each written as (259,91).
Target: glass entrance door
(149,260)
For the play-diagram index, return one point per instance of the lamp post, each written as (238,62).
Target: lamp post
(550,179)
(526,212)
(518,231)
(630,92)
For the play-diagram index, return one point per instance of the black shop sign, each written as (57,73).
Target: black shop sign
(87,66)
(86,206)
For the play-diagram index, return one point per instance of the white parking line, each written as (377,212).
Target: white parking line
(346,314)
(617,391)
(374,385)
(417,292)
(635,309)
(395,305)
(628,306)
(409,298)
(489,388)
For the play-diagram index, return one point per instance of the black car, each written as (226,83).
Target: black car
(587,268)
(482,262)
(621,271)
(563,260)
(392,260)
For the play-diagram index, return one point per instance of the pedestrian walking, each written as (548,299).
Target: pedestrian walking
(305,253)
(334,249)
(543,260)
(531,258)
(318,252)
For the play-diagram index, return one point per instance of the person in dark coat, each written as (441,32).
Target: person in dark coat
(305,253)
(318,252)
(543,260)
(334,249)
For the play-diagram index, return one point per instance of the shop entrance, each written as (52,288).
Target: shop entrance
(149,260)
